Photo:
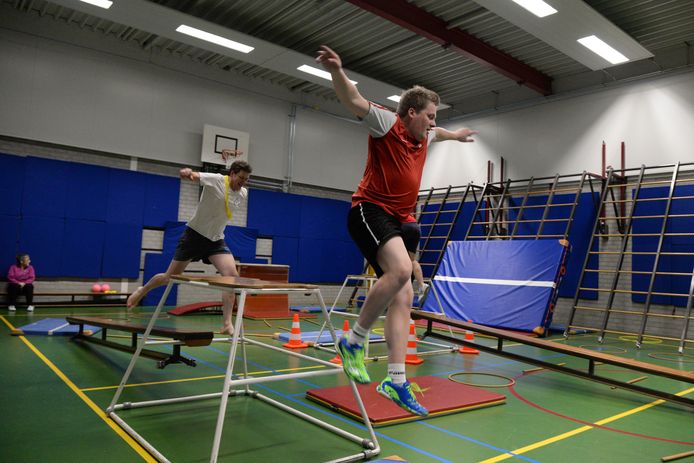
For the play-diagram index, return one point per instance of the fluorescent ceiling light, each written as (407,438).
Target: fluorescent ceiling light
(599,47)
(318,72)
(216,39)
(536,7)
(395,98)
(106,4)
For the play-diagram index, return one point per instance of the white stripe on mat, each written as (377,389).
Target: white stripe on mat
(50,332)
(491,281)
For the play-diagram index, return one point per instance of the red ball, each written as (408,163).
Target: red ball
(105,287)
(96,288)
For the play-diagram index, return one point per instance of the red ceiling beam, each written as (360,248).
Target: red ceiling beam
(427,25)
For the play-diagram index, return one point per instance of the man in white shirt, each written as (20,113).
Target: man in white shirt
(203,238)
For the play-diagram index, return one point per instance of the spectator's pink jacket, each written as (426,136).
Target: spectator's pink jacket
(19,275)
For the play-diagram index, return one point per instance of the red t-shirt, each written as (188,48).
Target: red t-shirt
(394,165)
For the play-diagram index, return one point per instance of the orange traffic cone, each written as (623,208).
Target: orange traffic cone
(411,357)
(345,329)
(295,335)
(469,336)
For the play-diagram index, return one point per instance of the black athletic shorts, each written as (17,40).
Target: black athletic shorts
(370,226)
(193,246)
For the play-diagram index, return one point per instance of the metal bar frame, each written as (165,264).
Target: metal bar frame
(370,445)
(647,305)
(620,261)
(596,228)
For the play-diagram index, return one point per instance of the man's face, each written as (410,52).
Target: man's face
(238,179)
(419,123)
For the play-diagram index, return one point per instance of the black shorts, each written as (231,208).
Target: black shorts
(193,246)
(370,226)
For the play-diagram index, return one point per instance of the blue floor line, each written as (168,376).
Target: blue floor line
(475,441)
(321,410)
(295,399)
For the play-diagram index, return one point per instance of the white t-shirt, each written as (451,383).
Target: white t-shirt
(210,218)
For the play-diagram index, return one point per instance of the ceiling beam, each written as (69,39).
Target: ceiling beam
(427,25)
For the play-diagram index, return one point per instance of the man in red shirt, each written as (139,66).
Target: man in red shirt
(385,197)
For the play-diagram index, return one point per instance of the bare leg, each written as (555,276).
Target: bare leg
(226,265)
(397,325)
(176,267)
(397,268)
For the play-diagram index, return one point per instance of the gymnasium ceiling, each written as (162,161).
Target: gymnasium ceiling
(395,42)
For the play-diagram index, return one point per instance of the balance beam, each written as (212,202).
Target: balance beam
(179,337)
(592,356)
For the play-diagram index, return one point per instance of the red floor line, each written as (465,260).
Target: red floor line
(586,423)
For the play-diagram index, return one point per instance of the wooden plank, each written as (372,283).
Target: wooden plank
(244,283)
(680,375)
(188,337)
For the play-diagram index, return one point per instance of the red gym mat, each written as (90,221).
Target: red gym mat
(441,397)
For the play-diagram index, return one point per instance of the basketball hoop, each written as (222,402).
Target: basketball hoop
(230,155)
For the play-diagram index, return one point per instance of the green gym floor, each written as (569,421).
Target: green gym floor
(54,392)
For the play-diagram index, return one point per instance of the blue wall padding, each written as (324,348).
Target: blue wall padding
(86,192)
(505,284)
(682,244)
(324,218)
(45,187)
(172,233)
(42,237)
(161,200)
(99,214)
(579,236)
(285,251)
(273,213)
(11,184)
(81,253)
(126,196)
(121,251)
(326,261)
(9,242)
(241,241)
(158,263)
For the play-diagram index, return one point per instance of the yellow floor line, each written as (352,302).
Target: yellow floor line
(152,383)
(100,413)
(580,430)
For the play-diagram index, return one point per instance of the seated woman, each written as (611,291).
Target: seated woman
(21,277)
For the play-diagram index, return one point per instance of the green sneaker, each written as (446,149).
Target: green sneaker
(353,361)
(402,395)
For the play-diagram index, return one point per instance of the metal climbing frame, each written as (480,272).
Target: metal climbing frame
(244,287)
(668,237)
(533,208)
(438,212)
(363,283)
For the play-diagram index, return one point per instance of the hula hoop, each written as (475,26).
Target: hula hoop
(601,348)
(381,331)
(663,356)
(645,340)
(510,383)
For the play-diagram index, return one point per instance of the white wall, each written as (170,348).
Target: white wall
(654,118)
(82,97)
(329,152)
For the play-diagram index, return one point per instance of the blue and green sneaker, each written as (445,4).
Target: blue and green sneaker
(353,361)
(402,395)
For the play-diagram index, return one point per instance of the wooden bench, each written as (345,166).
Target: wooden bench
(95,299)
(591,356)
(180,337)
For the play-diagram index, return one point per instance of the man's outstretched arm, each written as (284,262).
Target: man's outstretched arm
(461,135)
(346,91)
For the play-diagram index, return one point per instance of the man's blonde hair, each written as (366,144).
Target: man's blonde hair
(418,98)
